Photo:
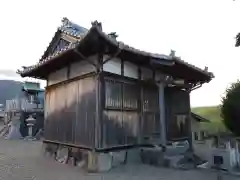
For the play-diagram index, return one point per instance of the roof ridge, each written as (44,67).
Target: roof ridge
(65,23)
(76,30)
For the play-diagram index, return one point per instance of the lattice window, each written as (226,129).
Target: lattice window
(121,95)
(130,96)
(182,126)
(150,100)
(113,95)
(150,106)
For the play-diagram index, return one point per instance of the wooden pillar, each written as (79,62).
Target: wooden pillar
(99,113)
(161,101)
(140,109)
(189,121)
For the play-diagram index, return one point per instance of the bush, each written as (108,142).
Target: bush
(230,108)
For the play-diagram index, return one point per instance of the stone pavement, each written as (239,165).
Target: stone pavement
(22,160)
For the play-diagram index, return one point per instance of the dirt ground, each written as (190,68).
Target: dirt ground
(22,160)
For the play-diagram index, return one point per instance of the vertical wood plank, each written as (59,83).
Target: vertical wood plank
(161,87)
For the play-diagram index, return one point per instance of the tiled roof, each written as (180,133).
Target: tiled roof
(48,58)
(72,29)
(77,31)
(153,55)
(68,28)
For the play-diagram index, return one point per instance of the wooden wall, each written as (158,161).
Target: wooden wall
(58,76)
(70,113)
(74,70)
(177,108)
(130,108)
(120,116)
(71,105)
(130,112)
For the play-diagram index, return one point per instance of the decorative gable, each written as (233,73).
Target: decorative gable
(59,42)
(62,43)
(66,34)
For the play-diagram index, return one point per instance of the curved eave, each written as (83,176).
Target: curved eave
(40,71)
(183,68)
(97,41)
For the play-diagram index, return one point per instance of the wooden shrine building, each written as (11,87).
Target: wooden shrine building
(104,95)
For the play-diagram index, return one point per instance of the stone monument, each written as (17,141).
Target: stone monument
(30,123)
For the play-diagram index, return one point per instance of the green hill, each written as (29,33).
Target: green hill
(213,114)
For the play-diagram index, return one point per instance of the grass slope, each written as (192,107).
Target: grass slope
(213,114)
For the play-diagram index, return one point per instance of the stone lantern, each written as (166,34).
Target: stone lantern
(30,123)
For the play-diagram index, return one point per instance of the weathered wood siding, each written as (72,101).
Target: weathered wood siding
(121,117)
(112,66)
(74,70)
(177,109)
(57,76)
(131,111)
(82,67)
(70,113)
(151,115)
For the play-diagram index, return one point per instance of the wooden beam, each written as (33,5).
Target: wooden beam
(113,56)
(84,58)
(162,62)
(67,144)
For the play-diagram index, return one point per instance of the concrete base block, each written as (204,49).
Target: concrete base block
(152,156)
(172,161)
(118,158)
(104,162)
(134,156)
(92,162)
(62,155)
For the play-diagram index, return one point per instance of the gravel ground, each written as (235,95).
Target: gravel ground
(22,160)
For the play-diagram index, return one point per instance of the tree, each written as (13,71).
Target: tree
(237,42)
(230,108)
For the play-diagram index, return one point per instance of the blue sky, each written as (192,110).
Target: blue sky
(201,31)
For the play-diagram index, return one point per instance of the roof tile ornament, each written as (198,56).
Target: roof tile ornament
(113,35)
(97,24)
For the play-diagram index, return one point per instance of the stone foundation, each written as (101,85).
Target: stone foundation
(89,160)
(92,161)
(102,162)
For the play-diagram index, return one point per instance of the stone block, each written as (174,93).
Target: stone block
(118,157)
(152,156)
(62,155)
(92,164)
(134,156)
(104,162)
